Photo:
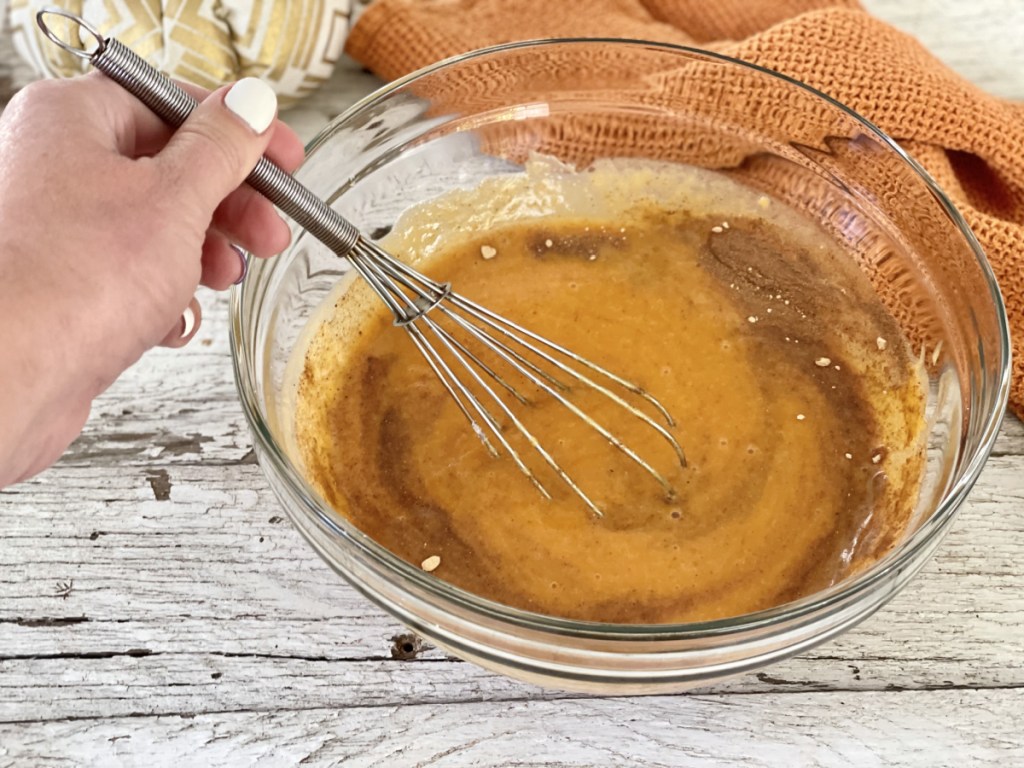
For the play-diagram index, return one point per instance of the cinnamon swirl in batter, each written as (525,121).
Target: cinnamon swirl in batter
(798,403)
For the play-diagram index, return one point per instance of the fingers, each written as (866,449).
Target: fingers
(286,147)
(122,122)
(218,145)
(250,220)
(244,217)
(186,327)
(148,134)
(223,262)
(137,130)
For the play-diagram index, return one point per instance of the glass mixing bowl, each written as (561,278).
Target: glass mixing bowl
(485,113)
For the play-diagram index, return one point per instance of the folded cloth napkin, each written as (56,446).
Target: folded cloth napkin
(972,143)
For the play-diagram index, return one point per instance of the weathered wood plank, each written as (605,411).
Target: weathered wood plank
(1011,438)
(897,730)
(167,593)
(131,683)
(982,41)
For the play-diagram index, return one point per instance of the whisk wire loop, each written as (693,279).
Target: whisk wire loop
(499,322)
(489,341)
(390,276)
(515,333)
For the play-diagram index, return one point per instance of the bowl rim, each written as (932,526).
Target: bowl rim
(803,608)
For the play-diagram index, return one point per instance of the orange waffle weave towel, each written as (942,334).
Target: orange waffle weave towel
(971,142)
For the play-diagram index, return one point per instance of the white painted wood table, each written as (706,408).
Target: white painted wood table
(157,609)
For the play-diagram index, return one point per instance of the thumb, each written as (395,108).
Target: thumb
(213,151)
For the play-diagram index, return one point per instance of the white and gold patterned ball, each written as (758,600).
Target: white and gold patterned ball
(291,44)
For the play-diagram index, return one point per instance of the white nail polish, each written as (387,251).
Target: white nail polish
(254,101)
(190,322)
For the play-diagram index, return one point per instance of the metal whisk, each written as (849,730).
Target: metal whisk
(413,297)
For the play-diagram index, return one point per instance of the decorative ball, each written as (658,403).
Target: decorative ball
(291,44)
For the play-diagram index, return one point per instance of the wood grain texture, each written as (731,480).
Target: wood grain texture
(166,593)
(982,40)
(938,728)
(157,608)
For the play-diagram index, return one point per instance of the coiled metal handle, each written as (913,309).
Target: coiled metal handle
(173,106)
(413,297)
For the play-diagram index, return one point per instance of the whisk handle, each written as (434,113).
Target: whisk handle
(173,105)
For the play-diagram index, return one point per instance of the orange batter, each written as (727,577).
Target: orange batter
(796,400)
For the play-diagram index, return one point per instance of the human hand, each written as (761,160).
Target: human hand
(108,223)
